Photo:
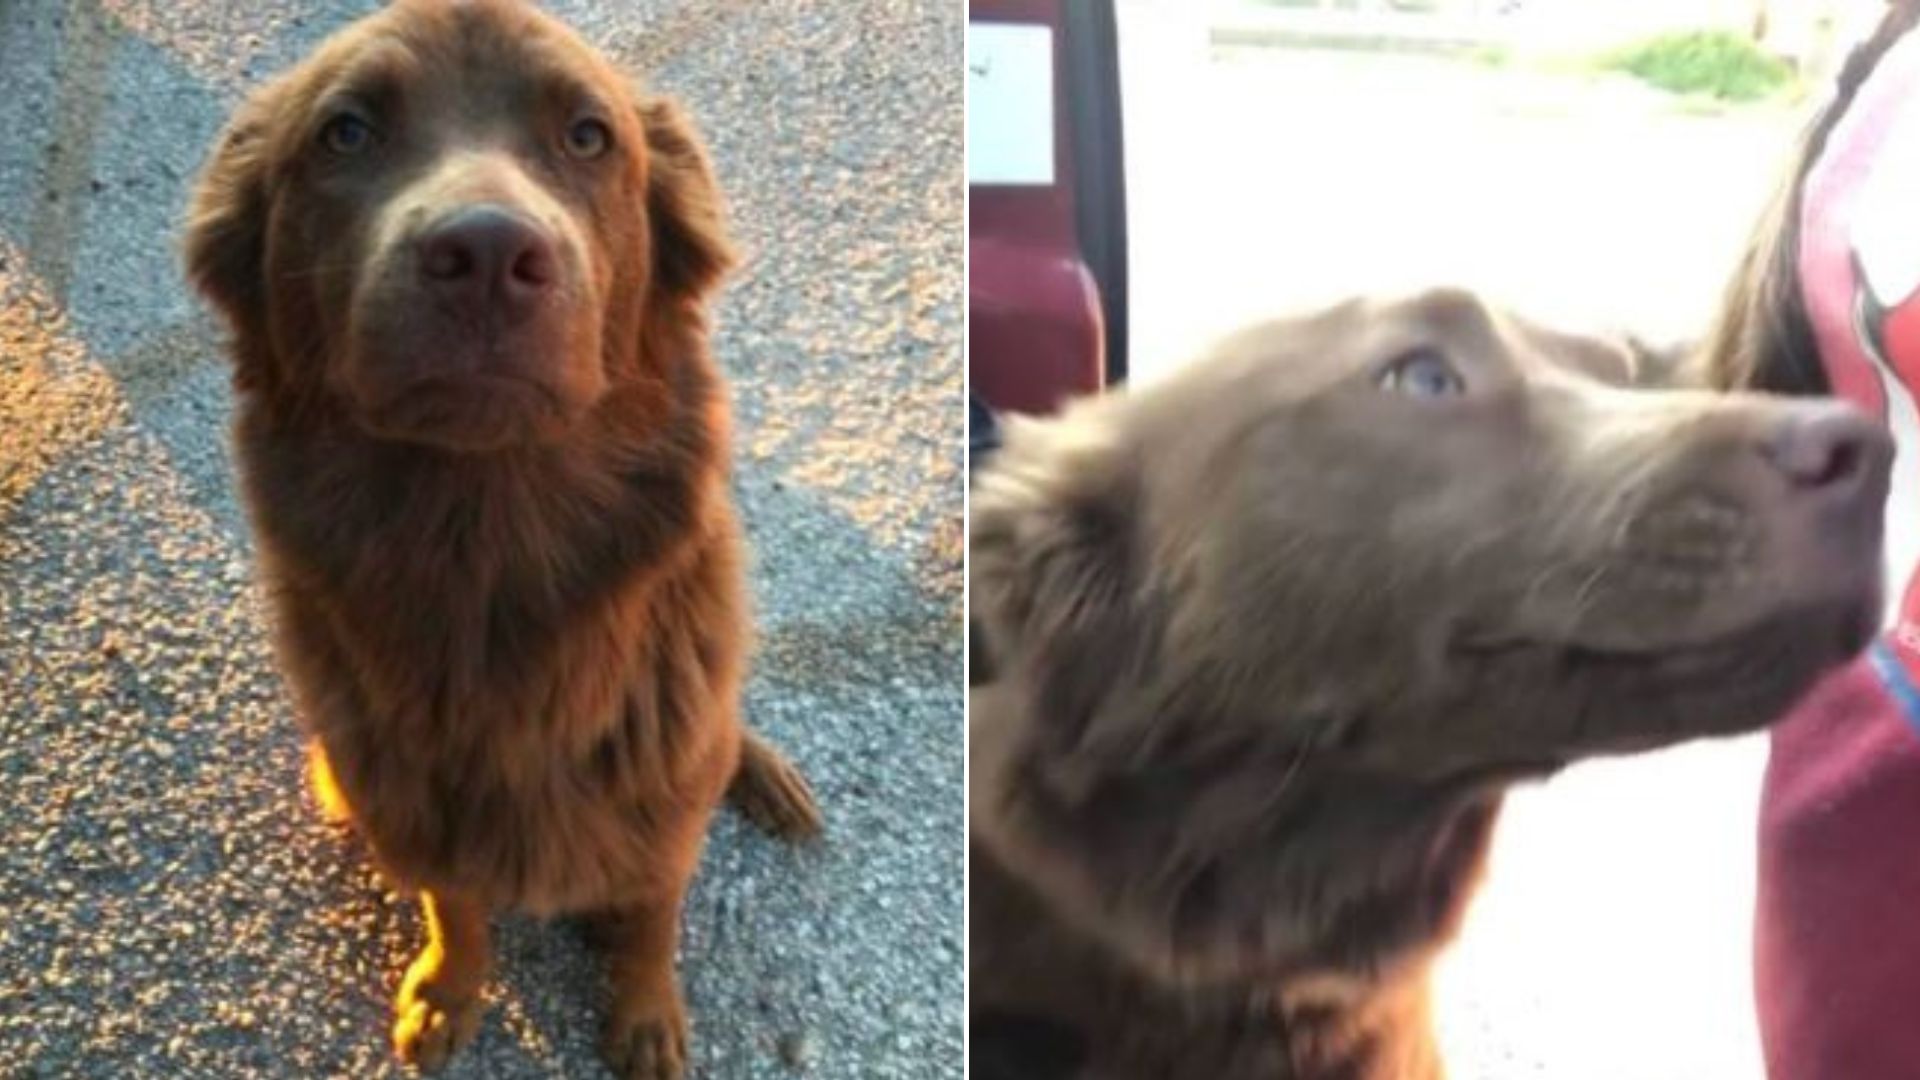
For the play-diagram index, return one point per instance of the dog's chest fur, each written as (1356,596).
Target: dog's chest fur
(1230,919)
(517,672)
(1050,1004)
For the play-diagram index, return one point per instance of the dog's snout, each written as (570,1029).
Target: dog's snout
(488,254)
(1829,447)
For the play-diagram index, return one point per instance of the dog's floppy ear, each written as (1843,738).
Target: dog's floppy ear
(225,237)
(691,251)
(1053,570)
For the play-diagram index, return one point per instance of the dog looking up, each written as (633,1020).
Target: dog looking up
(1273,635)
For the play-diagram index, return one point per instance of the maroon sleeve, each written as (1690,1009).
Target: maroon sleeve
(1837,927)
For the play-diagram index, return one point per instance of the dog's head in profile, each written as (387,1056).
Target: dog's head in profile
(452,226)
(1414,547)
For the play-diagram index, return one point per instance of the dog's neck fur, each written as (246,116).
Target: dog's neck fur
(630,480)
(1282,913)
(536,550)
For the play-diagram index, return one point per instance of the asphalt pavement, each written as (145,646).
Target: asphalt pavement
(170,902)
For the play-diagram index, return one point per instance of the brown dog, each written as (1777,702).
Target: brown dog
(485,450)
(1275,634)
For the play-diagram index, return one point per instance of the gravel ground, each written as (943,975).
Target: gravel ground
(170,903)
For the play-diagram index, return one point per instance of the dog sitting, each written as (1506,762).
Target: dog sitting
(485,451)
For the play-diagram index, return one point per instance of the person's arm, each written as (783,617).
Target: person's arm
(1837,919)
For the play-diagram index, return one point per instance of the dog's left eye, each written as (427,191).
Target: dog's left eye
(1423,373)
(588,139)
(347,134)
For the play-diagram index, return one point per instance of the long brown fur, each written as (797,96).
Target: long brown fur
(520,666)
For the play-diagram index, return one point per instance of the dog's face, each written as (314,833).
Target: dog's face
(1425,537)
(449,225)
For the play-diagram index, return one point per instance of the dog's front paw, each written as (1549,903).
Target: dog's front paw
(647,1043)
(326,788)
(432,1021)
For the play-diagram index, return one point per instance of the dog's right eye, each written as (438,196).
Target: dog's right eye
(1422,373)
(588,139)
(347,134)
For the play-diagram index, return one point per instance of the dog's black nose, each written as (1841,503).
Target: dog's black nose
(488,254)
(1829,447)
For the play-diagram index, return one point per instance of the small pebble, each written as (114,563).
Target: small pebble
(796,1051)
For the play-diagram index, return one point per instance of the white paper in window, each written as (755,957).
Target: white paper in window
(1009,104)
